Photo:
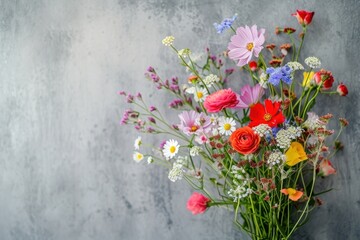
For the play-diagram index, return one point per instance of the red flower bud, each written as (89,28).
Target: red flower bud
(253,65)
(303,17)
(342,90)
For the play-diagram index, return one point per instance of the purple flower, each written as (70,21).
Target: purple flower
(250,96)
(152,108)
(225,24)
(246,43)
(151,119)
(194,123)
(279,73)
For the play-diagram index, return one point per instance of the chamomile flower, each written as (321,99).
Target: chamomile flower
(171,148)
(226,126)
(138,156)
(199,93)
(137,143)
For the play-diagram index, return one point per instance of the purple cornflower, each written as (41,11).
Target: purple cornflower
(279,74)
(225,24)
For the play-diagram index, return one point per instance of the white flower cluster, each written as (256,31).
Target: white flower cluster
(312,122)
(313,62)
(284,136)
(194,151)
(241,191)
(263,80)
(177,172)
(295,66)
(262,130)
(168,41)
(275,158)
(211,79)
(184,52)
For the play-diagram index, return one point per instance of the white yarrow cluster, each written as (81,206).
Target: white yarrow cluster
(313,62)
(240,181)
(285,136)
(275,158)
(295,66)
(168,41)
(263,80)
(211,79)
(177,172)
(194,151)
(262,130)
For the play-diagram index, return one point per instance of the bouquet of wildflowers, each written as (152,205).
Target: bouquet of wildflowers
(256,150)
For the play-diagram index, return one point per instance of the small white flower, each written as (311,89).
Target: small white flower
(262,130)
(150,160)
(275,158)
(211,79)
(312,122)
(138,156)
(194,151)
(213,119)
(170,149)
(184,53)
(285,136)
(176,173)
(226,126)
(168,41)
(295,66)
(263,80)
(199,93)
(137,143)
(313,62)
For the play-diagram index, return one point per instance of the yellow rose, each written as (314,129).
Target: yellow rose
(308,76)
(295,154)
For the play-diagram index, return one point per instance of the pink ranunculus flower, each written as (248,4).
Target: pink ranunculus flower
(217,101)
(246,43)
(197,203)
(249,96)
(326,168)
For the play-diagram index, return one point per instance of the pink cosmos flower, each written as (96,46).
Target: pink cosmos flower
(217,101)
(194,123)
(197,203)
(245,43)
(326,168)
(249,96)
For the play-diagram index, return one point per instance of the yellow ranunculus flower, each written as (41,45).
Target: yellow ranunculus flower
(295,154)
(308,76)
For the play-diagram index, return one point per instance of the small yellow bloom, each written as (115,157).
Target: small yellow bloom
(308,76)
(295,154)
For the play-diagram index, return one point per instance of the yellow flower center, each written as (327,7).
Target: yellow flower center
(227,126)
(249,46)
(291,191)
(139,156)
(199,94)
(172,149)
(194,128)
(267,117)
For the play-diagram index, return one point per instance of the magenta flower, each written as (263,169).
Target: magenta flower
(249,96)
(194,123)
(245,43)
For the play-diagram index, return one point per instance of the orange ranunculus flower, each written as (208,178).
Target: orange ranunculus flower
(244,140)
(295,154)
(294,195)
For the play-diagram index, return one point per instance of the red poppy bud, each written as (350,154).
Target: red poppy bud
(303,17)
(342,90)
(253,65)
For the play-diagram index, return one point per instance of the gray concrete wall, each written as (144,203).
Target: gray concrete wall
(66,168)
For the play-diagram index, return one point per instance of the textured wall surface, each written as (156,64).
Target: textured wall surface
(66,168)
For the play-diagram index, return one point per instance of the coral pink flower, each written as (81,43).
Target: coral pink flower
(324,78)
(294,195)
(197,203)
(224,98)
(250,96)
(303,17)
(342,89)
(326,168)
(245,43)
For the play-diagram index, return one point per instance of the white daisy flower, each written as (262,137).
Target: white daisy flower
(171,148)
(138,156)
(137,143)
(226,126)
(150,160)
(199,93)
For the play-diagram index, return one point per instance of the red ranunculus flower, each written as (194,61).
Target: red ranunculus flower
(224,98)
(303,17)
(325,78)
(244,140)
(342,89)
(269,114)
(197,203)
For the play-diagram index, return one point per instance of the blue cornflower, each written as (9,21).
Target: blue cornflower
(279,73)
(226,24)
